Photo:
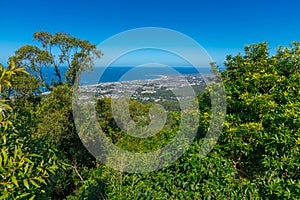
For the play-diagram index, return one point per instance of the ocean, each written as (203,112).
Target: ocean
(125,73)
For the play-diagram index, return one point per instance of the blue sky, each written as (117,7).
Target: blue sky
(221,27)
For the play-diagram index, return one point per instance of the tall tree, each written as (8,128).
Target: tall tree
(57,50)
(67,50)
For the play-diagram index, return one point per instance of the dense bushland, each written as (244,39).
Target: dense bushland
(256,157)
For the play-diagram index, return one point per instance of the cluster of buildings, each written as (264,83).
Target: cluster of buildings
(165,88)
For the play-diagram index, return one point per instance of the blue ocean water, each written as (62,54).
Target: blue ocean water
(121,73)
(125,73)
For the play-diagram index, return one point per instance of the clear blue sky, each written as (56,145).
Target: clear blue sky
(221,27)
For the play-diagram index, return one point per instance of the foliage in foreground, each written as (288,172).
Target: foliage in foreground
(256,157)
(24,169)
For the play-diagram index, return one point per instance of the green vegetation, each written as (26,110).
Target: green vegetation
(256,157)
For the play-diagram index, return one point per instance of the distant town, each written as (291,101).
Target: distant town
(166,88)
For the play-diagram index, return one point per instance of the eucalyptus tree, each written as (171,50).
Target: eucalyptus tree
(64,53)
